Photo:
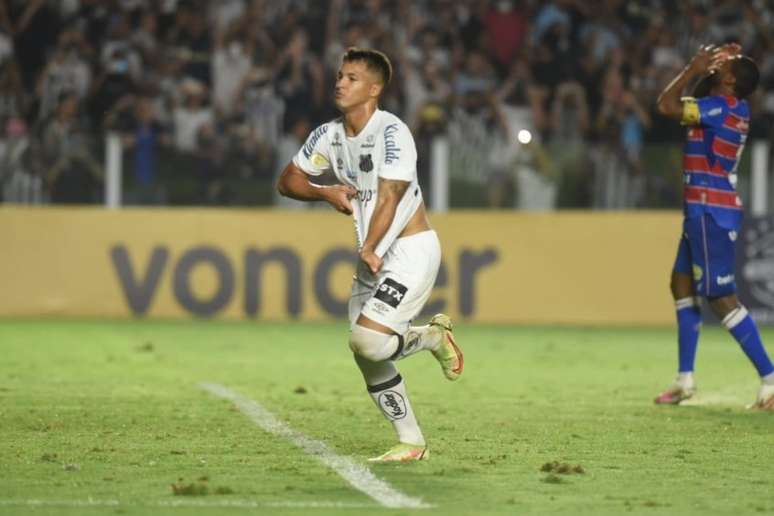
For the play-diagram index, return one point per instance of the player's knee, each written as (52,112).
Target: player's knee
(681,285)
(370,344)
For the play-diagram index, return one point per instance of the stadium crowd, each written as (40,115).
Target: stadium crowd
(542,104)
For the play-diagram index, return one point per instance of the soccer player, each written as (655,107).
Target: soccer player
(718,120)
(372,154)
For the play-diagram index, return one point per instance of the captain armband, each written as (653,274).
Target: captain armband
(691,115)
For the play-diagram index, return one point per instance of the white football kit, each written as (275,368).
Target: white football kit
(383,149)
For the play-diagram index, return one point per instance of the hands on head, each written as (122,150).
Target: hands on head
(710,57)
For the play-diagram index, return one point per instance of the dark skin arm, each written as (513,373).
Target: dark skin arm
(705,61)
(294,183)
(390,194)
(669,103)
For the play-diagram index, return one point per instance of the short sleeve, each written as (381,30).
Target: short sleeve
(400,154)
(314,156)
(706,111)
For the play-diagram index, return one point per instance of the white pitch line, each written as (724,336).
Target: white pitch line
(224,504)
(358,476)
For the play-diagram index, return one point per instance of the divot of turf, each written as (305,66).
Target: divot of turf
(199,487)
(180,488)
(48,457)
(562,468)
(145,348)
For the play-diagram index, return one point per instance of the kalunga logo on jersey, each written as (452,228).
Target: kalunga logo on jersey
(391,292)
(366,165)
(391,149)
(312,142)
(392,404)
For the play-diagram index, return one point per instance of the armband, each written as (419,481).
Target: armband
(691,115)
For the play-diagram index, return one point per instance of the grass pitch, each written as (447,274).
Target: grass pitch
(106,418)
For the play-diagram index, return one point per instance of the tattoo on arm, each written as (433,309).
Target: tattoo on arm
(392,189)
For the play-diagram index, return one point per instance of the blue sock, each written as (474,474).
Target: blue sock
(744,330)
(688,324)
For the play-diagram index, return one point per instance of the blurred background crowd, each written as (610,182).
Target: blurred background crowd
(539,104)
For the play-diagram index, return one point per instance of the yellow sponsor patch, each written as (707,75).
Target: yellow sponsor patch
(319,161)
(691,115)
(698,272)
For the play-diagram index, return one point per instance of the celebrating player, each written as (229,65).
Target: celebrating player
(718,119)
(372,154)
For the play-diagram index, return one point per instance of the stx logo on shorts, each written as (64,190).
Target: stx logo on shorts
(393,405)
(391,292)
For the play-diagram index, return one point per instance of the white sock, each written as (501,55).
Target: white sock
(685,380)
(768,379)
(387,389)
(419,338)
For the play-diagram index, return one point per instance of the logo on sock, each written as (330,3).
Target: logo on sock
(391,292)
(393,405)
(725,280)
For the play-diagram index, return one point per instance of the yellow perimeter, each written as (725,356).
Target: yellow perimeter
(505,267)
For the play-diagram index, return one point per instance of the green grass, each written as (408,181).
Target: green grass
(111,411)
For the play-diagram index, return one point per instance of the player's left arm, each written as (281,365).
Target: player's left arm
(390,192)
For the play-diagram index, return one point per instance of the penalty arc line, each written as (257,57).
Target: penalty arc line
(357,475)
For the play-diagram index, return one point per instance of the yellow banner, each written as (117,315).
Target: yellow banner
(504,267)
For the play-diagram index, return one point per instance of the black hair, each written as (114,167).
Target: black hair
(747,76)
(374,60)
(704,86)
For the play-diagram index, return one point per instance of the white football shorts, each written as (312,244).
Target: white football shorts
(399,291)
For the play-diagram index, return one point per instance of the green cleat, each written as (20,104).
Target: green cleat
(447,353)
(403,452)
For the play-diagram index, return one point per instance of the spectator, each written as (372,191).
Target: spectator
(13,101)
(299,76)
(66,71)
(143,134)
(18,173)
(74,173)
(231,63)
(192,117)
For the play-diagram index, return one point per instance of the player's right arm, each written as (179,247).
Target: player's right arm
(671,104)
(312,160)
(295,183)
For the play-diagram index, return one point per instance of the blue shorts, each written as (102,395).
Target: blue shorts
(707,253)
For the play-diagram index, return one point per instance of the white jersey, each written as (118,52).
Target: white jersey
(383,149)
